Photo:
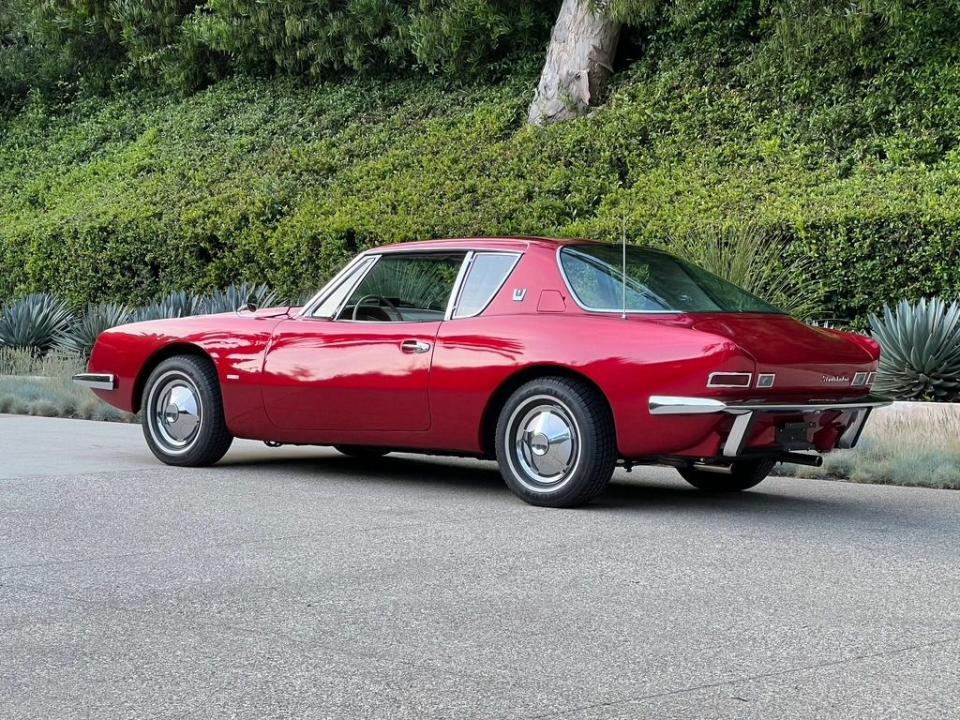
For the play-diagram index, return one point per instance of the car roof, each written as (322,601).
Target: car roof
(481,243)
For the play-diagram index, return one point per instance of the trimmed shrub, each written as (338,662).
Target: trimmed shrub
(724,122)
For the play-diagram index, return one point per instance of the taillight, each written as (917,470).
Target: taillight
(729,380)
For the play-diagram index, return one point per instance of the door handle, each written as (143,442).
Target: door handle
(414,346)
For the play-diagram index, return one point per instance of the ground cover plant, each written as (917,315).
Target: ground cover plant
(31,385)
(919,448)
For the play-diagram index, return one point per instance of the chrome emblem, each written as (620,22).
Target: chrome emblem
(519,294)
(834,379)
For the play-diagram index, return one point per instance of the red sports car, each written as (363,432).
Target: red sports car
(559,358)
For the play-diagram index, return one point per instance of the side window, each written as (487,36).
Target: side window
(486,275)
(405,288)
(334,300)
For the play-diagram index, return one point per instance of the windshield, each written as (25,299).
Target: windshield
(656,282)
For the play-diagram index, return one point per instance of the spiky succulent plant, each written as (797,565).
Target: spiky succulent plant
(236,296)
(80,337)
(919,350)
(174,305)
(34,322)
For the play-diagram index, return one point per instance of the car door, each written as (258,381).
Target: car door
(361,360)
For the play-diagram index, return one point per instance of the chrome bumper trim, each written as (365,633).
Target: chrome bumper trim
(96,381)
(673,405)
(746,412)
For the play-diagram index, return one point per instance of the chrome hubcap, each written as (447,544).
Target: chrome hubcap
(545,445)
(176,412)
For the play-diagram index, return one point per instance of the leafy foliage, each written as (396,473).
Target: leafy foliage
(187,43)
(720,121)
(920,350)
(33,323)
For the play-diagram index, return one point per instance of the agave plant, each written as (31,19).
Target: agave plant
(919,350)
(174,305)
(80,337)
(34,322)
(237,296)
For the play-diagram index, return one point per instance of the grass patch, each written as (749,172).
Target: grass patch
(918,448)
(42,387)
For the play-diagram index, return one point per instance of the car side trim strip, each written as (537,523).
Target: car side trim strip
(96,381)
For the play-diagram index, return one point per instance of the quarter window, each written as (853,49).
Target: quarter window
(486,275)
(405,288)
(336,298)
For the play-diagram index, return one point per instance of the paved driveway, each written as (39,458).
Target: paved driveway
(297,583)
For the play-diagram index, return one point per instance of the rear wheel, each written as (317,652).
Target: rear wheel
(182,413)
(555,442)
(744,474)
(364,452)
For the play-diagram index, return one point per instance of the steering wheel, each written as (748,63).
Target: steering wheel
(392,313)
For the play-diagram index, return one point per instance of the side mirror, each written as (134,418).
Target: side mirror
(251,304)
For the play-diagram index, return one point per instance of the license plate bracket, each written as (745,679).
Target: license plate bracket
(794,435)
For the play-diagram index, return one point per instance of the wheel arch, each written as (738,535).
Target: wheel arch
(499,397)
(164,353)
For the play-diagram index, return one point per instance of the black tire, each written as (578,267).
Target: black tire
(174,384)
(744,474)
(362,452)
(583,465)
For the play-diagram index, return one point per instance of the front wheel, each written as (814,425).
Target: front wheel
(182,413)
(744,474)
(555,442)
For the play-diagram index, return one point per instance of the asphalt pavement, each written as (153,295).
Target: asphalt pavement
(297,583)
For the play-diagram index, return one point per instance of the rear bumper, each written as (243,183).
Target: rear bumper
(746,412)
(96,381)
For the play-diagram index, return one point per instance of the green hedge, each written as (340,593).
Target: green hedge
(268,180)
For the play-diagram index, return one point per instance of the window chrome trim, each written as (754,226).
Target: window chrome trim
(377,256)
(361,276)
(458,285)
(619,311)
(461,281)
(332,285)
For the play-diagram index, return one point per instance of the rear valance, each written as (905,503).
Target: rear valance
(745,413)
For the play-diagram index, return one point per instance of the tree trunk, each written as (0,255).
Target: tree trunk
(579,63)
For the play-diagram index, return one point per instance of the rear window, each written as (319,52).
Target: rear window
(656,282)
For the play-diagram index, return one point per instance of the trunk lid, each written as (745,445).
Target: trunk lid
(803,358)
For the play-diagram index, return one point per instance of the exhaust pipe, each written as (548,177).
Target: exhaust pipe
(801,459)
(718,469)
